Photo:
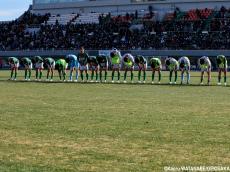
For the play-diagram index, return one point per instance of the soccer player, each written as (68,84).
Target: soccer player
(115,56)
(39,66)
(172,65)
(128,64)
(205,65)
(184,65)
(14,64)
(142,66)
(83,58)
(222,64)
(28,67)
(50,62)
(73,63)
(61,65)
(94,67)
(103,65)
(155,64)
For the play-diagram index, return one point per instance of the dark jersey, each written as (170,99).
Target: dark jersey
(83,58)
(93,61)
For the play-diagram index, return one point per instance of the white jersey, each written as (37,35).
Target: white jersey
(39,65)
(184,60)
(207,63)
(130,61)
(173,64)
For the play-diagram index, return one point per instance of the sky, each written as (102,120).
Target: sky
(12,9)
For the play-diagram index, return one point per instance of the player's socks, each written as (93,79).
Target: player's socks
(170,76)
(219,78)
(64,76)
(47,76)
(119,75)
(96,76)
(15,74)
(52,75)
(76,74)
(11,75)
(87,76)
(153,75)
(139,75)
(40,77)
(144,75)
(159,76)
(100,75)
(25,74)
(125,75)
(175,76)
(106,73)
(188,77)
(82,77)
(182,78)
(131,76)
(71,75)
(225,79)
(92,75)
(29,74)
(36,75)
(112,75)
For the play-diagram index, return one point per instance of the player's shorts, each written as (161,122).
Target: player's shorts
(176,68)
(93,67)
(39,66)
(14,65)
(73,65)
(83,67)
(116,66)
(206,69)
(129,67)
(104,66)
(143,66)
(157,68)
(51,66)
(29,66)
(186,68)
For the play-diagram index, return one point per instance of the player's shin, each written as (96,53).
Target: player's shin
(139,75)
(159,76)
(132,75)
(12,72)
(144,75)
(119,75)
(153,75)
(125,74)
(71,75)
(170,76)
(106,73)
(175,76)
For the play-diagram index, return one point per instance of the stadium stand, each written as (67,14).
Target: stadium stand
(195,29)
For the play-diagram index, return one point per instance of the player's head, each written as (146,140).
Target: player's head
(10,59)
(153,65)
(57,66)
(218,60)
(112,54)
(67,58)
(167,62)
(126,58)
(182,64)
(82,49)
(137,59)
(202,61)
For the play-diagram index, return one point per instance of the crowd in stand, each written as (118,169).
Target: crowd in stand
(211,32)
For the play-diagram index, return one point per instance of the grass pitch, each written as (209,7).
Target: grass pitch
(110,127)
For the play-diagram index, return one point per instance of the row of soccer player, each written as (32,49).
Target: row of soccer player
(82,63)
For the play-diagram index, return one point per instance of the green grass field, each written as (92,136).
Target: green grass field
(112,127)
